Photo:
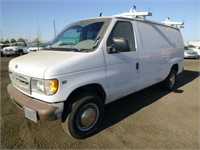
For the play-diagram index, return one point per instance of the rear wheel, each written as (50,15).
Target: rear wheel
(85,116)
(170,81)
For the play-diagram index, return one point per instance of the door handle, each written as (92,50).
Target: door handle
(137,65)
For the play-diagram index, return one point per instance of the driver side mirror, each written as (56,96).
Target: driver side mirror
(119,45)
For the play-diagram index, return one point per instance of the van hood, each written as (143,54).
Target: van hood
(48,64)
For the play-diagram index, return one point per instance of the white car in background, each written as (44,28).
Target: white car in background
(1,48)
(36,47)
(197,49)
(18,48)
(190,53)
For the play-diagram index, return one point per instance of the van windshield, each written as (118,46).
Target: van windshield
(80,36)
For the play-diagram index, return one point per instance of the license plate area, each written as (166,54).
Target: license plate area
(30,114)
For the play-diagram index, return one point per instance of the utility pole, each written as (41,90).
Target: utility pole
(37,29)
(37,34)
(1,37)
(54,27)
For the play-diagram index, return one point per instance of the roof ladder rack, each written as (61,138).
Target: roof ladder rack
(177,25)
(134,14)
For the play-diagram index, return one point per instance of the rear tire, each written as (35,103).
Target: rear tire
(85,116)
(169,83)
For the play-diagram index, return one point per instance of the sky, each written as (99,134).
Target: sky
(26,18)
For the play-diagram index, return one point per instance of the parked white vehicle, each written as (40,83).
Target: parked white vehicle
(197,49)
(1,48)
(18,48)
(91,63)
(36,47)
(190,53)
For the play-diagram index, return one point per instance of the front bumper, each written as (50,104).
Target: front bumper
(9,52)
(191,56)
(44,111)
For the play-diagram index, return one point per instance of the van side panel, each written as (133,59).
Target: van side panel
(161,48)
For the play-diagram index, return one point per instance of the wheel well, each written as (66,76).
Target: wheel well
(20,50)
(92,88)
(175,67)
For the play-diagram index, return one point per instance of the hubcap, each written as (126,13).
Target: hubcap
(87,117)
(172,80)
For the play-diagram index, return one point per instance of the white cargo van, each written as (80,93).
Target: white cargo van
(91,63)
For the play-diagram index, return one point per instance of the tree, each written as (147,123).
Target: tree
(6,41)
(20,40)
(12,40)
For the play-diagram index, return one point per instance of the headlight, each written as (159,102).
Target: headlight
(47,87)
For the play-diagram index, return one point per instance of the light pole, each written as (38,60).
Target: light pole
(54,27)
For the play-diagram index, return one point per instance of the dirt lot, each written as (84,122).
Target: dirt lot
(149,119)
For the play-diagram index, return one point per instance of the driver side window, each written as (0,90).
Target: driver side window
(124,30)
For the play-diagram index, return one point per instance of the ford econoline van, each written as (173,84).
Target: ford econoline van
(91,63)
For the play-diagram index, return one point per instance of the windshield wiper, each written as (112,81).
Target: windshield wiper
(66,49)
(65,43)
(76,49)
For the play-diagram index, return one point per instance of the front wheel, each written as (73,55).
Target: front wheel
(170,81)
(2,55)
(85,116)
(20,52)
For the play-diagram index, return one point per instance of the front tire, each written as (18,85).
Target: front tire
(20,52)
(85,116)
(2,55)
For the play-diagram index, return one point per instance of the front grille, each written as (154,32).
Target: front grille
(20,81)
(9,50)
(192,53)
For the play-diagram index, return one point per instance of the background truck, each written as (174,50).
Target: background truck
(92,63)
(1,48)
(18,48)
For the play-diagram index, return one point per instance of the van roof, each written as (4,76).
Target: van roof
(133,19)
(141,16)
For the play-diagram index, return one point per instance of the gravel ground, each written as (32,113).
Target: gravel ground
(149,119)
